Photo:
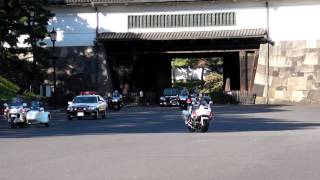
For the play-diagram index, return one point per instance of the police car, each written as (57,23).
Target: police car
(87,104)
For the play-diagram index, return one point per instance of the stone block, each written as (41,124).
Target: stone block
(317,75)
(314,96)
(260,79)
(275,73)
(297,96)
(262,60)
(318,43)
(311,59)
(276,50)
(260,100)
(297,83)
(305,68)
(283,73)
(258,89)
(311,84)
(279,94)
(296,52)
(261,69)
(278,61)
(295,44)
(276,82)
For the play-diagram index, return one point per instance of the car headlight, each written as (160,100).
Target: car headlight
(92,108)
(70,109)
(162,98)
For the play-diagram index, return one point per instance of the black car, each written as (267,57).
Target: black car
(170,97)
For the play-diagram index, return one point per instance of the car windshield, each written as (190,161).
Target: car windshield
(184,93)
(16,102)
(116,94)
(171,92)
(85,99)
(35,105)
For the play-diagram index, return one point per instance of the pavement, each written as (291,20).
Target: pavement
(244,143)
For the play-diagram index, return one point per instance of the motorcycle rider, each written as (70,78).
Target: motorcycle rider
(199,101)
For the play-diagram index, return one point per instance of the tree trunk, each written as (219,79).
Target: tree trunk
(202,81)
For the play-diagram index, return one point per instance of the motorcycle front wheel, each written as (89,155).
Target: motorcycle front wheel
(205,126)
(191,129)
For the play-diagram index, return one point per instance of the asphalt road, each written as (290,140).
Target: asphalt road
(245,143)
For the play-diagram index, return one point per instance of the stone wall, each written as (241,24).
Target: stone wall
(294,73)
(79,69)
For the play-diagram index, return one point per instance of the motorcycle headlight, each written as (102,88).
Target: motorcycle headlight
(92,108)
(114,100)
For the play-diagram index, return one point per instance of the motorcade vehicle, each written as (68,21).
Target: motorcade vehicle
(37,114)
(184,99)
(170,97)
(198,116)
(87,104)
(15,112)
(114,101)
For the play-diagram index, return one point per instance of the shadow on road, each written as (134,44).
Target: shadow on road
(165,120)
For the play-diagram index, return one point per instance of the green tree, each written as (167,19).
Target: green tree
(214,64)
(24,17)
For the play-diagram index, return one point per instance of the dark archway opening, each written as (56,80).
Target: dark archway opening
(146,65)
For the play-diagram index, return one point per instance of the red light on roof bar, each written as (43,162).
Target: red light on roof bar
(88,93)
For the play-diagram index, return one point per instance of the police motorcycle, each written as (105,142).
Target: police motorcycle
(184,99)
(115,101)
(15,113)
(198,116)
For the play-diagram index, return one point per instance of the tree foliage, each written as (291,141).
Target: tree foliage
(213,81)
(17,18)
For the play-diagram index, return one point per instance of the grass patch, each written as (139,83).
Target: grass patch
(8,90)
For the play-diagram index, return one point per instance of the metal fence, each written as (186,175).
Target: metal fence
(234,97)
(148,98)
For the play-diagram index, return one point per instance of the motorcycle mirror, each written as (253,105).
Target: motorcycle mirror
(5,105)
(24,104)
(69,103)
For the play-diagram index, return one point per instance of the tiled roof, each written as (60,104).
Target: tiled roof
(221,34)
(75,2)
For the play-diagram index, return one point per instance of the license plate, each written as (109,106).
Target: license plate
(80,114)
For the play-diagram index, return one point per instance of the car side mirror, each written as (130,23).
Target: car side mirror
(41,109)
(24,105)
(69,103)
(5,105)
(210,102)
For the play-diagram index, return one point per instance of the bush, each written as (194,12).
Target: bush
(213,83)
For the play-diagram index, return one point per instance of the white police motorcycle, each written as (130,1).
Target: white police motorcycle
(198,116)
(15,113)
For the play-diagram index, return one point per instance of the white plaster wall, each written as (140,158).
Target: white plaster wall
(295,23)
(76,25)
